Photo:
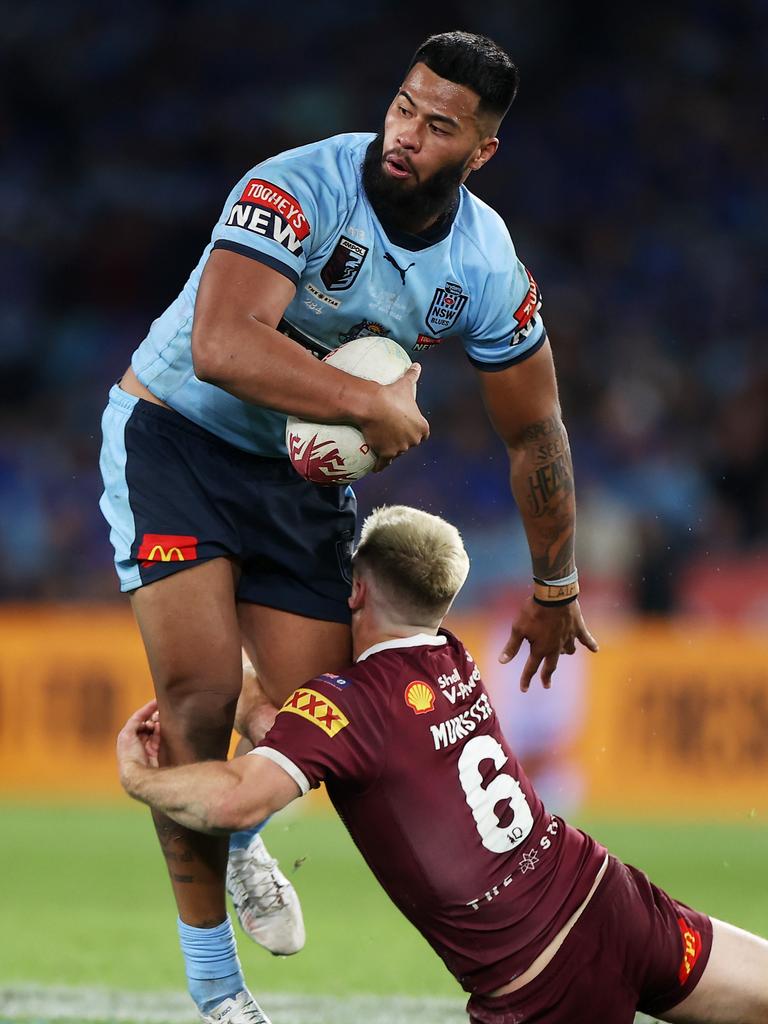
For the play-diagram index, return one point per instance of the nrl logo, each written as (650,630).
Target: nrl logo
(447,305)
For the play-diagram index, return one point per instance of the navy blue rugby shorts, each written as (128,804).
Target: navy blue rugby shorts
(176,495)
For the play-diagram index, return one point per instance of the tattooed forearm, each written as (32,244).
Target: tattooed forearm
(551,449)
(546,482)
(542,430)
(542,482)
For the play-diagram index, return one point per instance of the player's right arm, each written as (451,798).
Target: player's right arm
(322,730)
(235,345)
(215,797)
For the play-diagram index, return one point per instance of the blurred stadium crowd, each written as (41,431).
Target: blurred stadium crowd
(629,177)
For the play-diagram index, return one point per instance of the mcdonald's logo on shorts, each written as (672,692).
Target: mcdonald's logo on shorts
(166,547)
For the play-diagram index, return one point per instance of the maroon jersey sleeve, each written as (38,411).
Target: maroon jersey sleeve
(332,728)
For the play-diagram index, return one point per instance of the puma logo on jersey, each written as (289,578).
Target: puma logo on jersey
(390,259)
(317,709)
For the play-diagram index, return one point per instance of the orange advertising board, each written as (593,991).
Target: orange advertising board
(677,722)
(69,677)
(666,719)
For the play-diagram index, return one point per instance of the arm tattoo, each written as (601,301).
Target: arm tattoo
(545,482)
(542,482)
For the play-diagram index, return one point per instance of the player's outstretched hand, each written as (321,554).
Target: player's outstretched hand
(138,742)
(394,423)
(550,633)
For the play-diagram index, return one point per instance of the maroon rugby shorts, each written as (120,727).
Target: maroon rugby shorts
(633,948)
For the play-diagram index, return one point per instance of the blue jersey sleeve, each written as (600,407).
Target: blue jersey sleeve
(272,215)
(507,327)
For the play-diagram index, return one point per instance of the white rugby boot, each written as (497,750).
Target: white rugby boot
(243,1009)
(265,901)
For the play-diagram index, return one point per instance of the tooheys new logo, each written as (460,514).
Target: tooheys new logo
(270,211)
(525,314)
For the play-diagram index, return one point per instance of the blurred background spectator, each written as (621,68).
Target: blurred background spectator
(631,178)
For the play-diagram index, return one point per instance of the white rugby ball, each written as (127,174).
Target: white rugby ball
(336,453)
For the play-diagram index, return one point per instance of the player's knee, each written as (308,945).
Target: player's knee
(196,723)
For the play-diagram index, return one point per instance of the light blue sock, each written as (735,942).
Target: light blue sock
(210,958)
(239,840)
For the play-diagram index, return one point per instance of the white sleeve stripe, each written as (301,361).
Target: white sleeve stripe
(286,764)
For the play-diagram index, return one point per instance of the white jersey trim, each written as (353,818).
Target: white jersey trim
(419,640)
(286,764)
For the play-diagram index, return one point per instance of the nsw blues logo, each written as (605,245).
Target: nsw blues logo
(446,307)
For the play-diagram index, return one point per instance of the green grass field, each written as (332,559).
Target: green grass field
(85,902)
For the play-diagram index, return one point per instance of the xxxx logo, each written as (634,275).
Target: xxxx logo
(317,709)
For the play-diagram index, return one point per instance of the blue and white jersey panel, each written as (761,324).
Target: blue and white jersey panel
(305,214)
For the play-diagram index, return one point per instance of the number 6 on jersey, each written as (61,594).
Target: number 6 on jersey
(482,800)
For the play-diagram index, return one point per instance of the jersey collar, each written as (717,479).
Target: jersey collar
(419,640)
(433,235)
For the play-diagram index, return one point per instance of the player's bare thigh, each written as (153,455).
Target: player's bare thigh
(286,650)
(190,629)
(734,986)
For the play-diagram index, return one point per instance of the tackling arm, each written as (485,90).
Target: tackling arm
(524,409)
(216,797)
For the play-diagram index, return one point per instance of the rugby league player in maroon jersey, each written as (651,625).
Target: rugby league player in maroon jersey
(535,919)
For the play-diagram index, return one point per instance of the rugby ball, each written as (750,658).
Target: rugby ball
(336,453)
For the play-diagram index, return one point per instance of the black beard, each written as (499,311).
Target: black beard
(405,206)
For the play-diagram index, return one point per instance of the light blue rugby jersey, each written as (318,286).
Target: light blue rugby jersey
(305,213)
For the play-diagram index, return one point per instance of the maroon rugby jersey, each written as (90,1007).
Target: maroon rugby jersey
(417,767)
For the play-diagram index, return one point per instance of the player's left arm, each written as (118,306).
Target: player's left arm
(216,797)
(523,406)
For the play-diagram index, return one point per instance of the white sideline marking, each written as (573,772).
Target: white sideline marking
(48,1003)
(27,1002)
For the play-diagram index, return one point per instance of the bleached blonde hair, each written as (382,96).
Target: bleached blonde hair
(418,559)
